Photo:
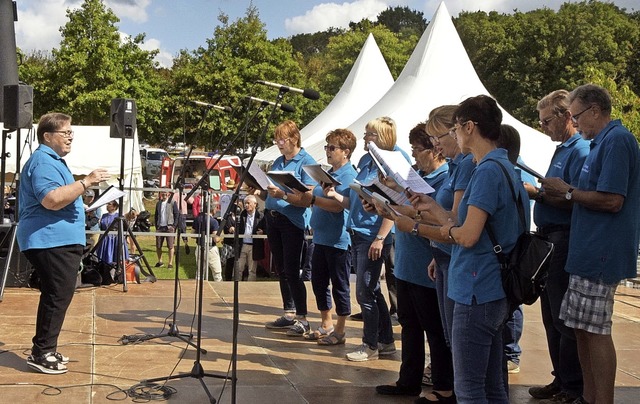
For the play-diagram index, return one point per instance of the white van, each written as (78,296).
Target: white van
(151,161)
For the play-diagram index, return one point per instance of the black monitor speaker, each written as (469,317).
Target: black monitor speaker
(123,118)
(18,106)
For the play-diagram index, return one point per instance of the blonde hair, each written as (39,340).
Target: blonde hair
(289,130)
(385,127)
(440,119)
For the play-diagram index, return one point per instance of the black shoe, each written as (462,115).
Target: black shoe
(159,264)
(356,317)
(562,397)
(541,392)
(396,390)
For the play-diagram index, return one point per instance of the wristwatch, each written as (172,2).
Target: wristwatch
(379,237)
(414,231)
(568,195)
(285,197)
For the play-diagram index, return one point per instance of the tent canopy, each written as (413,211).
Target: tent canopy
(92,148)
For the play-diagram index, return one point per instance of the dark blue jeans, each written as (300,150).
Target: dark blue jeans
(561,339)
(445,305)
(511,335)
(477,352)
(331,265)
(57,269)
(418,314)
(375,312)
(285,241)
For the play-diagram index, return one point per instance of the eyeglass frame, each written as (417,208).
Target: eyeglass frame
(456,126)
(437,138)
(574,118)
(67,134)
(546,121)
(331,147)
(281,142)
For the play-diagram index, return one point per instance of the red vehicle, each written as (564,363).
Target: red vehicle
(198,164)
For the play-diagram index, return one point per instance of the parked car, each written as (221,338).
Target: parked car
(151,159)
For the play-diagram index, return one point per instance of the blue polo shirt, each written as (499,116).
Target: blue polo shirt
(566,164)
(603,245)
(299,216)
(413,253)
(40,227)
(364,223)
(460,170)
(475,271)
(329,228)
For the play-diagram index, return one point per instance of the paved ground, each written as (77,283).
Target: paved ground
(271,367)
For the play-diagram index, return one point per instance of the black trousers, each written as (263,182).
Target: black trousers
(418,313)
(57,269)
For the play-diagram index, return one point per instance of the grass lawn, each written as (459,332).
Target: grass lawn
(187,267)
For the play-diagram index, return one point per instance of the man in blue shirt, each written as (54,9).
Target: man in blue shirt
(552,217)
(605,231)
(51,233)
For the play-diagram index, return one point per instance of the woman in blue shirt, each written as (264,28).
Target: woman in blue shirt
(331,261)
(287,217)
(480,307)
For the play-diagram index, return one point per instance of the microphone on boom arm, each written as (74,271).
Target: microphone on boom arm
(307,92)
(206,104)
(284,107)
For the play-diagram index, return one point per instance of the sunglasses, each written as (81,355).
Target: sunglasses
(331,147)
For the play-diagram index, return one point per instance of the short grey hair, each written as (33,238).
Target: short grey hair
(591,94)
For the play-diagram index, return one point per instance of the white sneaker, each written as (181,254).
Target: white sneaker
(362,354)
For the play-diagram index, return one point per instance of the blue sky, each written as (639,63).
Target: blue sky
(171,25)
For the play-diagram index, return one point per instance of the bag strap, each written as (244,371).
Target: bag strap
(497,248)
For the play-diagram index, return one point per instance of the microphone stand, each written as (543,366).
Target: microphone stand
(173,326)
(197,371)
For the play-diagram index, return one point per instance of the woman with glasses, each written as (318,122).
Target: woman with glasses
(371,244)
(331,261)
(418,312)
(475,285)
(287,216)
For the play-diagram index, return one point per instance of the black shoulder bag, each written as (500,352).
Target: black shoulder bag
(524,271)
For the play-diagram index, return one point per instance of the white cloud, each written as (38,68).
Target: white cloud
(39,22)
(327,15)
(134,10)
(164,58)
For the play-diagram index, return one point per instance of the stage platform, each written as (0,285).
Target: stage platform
(271,367)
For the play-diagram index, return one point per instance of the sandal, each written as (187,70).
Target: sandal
(439,399)
(317,334)
(333,339)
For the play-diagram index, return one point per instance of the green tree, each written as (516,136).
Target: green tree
(225,71)
(93,66)
(403,21)
(34,70)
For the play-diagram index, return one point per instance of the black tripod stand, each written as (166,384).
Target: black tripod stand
(197,372)
(119,223)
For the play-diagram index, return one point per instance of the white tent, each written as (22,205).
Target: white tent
(92,148)
(438,72)
(368,80)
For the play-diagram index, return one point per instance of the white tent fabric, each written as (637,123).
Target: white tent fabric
(92,148)
(438,72)
(368,80)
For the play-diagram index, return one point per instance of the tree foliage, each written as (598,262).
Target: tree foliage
(519,57)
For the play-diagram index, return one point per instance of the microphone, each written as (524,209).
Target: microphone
(307,92)
(284,107)
(206,104)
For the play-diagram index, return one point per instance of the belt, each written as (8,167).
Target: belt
(351,231)
(275,213)
(553,228)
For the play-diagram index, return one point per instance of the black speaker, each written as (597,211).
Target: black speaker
(18,106)
(123,118)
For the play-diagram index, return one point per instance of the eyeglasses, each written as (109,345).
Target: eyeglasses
(331,147)
(280,141)
(436,139)
(574,118)
(370,134)
(457,126)
(546,121)
(418,149)
(67,134)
